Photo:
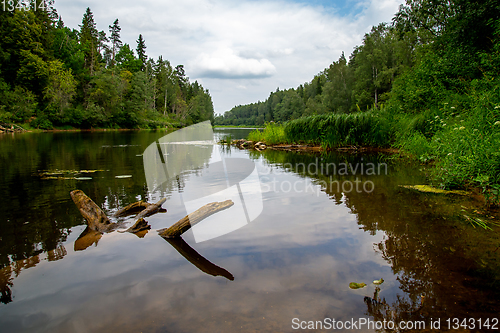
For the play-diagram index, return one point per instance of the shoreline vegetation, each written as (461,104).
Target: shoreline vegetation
(54,77)
(428,85)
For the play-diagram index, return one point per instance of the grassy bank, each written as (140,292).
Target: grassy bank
(238,126)
(153,122)
(459,137)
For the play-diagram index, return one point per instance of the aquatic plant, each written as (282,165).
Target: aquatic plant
(272,133)
(334,130)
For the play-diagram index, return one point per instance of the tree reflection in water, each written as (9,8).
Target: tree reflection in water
(444,266)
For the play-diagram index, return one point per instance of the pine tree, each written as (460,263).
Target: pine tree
(141,51)
(116,43)
(89,39)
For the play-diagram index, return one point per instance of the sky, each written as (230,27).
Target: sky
(240,50)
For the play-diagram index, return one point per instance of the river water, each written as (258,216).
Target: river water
(313,224)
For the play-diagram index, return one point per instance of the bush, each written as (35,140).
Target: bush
(42,122)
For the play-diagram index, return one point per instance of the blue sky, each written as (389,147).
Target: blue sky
(339,7)
(240,50)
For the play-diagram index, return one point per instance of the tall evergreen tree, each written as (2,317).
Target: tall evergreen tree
(116,43)
(141,51)
(89,40)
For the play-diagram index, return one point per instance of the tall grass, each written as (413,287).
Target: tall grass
(271,134)
(335,130)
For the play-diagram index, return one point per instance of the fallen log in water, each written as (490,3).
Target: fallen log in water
(188,221)
(96,219)
(98,223)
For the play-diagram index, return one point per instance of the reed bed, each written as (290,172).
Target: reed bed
(335,130)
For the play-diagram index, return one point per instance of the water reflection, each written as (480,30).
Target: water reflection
(197,259)
(12,271)
(296,260)
(444,267)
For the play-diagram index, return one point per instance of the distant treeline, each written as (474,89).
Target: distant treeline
(51,75)
(432,48)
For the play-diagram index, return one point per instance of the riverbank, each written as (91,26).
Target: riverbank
(15,128)
(462,149)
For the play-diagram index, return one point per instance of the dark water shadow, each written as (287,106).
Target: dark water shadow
(197,259)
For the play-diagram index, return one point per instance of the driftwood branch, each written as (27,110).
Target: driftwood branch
(96,219)
(10,128)
(197,259)
(151,209)
(184,224)
(135,208)
(98,223)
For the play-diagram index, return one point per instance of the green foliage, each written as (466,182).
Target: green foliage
(61,87)
(42,122)
(126,59)
(22,104)
(333,130)
(337,92)
(464,142)
(272,134)
(53,75)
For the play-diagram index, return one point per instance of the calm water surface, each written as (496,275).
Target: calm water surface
(315,235)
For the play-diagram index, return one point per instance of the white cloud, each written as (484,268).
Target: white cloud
(225,63)
(227,44)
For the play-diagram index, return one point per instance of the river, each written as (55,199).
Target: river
(307,225)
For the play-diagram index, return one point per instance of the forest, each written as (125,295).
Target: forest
(428,83)
(52,76)
(430,53)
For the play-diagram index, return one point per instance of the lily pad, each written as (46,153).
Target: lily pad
(56,178)
(377,282)
(430,189)
(123,176)
(83,178)
(355,285)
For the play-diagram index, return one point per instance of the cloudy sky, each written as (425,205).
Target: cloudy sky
(240,50)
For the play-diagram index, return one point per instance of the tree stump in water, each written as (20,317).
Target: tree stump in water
(96,219)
